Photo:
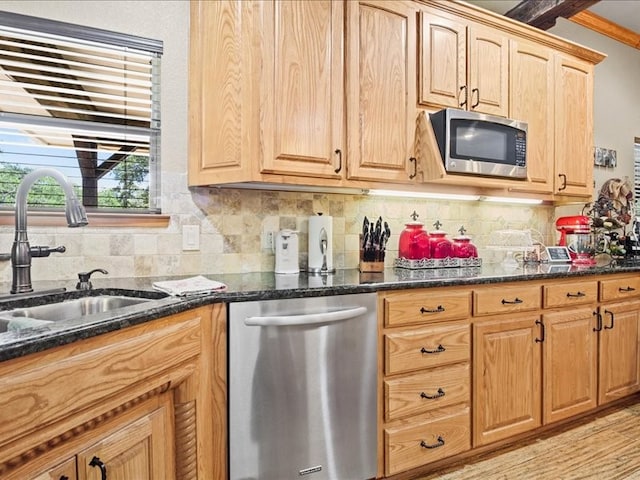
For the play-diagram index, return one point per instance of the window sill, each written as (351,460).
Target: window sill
(55,219)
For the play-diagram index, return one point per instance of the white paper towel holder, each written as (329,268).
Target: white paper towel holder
(320,249)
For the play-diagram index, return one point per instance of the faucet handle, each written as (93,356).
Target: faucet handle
(44,251)
(84,282)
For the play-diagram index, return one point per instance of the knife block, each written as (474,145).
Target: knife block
(368,266)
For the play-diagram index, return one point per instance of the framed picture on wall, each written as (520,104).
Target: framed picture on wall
(605,157)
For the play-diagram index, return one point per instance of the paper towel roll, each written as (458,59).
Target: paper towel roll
(316,224)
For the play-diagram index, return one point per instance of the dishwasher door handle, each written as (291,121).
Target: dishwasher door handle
(305,319)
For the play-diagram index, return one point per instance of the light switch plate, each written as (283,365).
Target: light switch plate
(191,237)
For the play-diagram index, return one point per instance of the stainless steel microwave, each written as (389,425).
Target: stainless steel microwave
(479,144)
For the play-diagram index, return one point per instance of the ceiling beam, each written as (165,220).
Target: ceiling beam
(543,13)
(606,27)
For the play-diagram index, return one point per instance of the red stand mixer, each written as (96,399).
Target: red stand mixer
(577,236)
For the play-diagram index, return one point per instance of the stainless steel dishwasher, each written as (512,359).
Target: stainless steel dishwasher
(302,388)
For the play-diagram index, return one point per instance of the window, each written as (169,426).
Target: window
(86,102)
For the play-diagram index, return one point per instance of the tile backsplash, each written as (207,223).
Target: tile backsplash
(232,222)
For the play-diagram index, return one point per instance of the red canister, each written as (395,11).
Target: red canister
(414,240)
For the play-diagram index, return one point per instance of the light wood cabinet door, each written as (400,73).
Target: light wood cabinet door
(573,127)
(462,65)
(496,300)
(415,307)
(381,90)
(619,366)
(570,352)
(65,471)
(302,88)
(443,60)
(620,289)
(507,372)
(140,450)
(531,97)
(222,109)
(488,62)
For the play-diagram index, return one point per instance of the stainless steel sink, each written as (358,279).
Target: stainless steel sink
(19,318)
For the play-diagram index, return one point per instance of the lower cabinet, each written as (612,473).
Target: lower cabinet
(619,366)
(128,449)
(507,372)
(140,403)
(426,346)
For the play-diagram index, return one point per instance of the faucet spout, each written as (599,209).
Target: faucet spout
(21,250)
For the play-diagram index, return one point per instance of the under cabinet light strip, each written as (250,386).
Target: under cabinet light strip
(436,196)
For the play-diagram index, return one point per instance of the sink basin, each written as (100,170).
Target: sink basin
(19,318)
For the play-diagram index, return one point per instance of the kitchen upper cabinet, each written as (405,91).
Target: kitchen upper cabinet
(507,372)
(302,88)
(222,107)
(462,65)
(531,99)
(381,90)
(573,127)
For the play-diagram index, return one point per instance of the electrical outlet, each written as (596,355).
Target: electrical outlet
(191,237)
(267,241)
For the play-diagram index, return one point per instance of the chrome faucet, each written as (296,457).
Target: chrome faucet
(21,252)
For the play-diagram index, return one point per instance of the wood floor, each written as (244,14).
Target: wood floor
(606,448)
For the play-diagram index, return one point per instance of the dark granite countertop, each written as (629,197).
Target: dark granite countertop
(247,287)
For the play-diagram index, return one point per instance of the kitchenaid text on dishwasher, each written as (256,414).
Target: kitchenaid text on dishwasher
(479,144)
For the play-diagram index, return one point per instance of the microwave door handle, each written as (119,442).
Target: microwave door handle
(306,319)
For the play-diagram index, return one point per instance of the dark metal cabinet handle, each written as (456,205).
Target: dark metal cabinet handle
(627,289)
(511,302)
(576,295)
(339,153)
(542,332)
(438,309)
(64,477)
(440,349)
(96,462)
(464,87)
(414,160)
(599,325)
(477,92)
(611,324)
(439,393)
(564,181)
(440,443)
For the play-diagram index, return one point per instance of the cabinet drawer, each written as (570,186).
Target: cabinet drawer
(407,447)
(435,388)
(501,299)
(411,308)
(428,347)
(566,294)
(619,288)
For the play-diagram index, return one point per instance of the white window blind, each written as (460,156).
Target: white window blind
(636,172)
(86,102)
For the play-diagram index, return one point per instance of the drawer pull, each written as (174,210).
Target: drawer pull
(431,397)
(599,324)
(439,309)
(96,462)
(576,295)
(542,332)
(626,289)
(511,302)
(611,314)
(440,349)
(440,443)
